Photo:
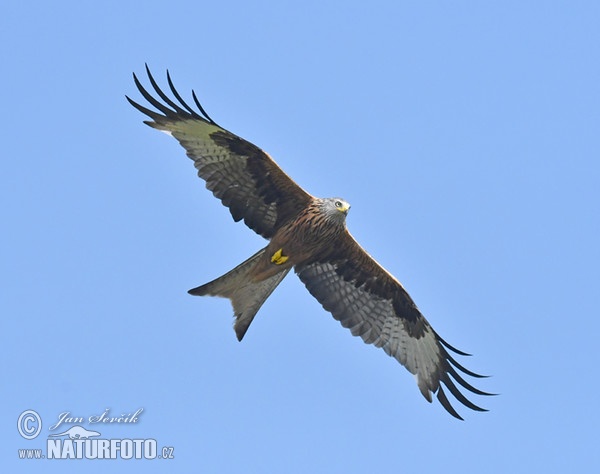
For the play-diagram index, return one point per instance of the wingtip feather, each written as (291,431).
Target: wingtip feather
(443,399)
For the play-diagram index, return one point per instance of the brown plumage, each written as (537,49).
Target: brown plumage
(308,234)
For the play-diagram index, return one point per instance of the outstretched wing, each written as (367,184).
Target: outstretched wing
(240,174)
(370,302)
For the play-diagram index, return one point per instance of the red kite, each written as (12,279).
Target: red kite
(307,234)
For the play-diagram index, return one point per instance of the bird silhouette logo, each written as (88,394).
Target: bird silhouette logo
(77,432)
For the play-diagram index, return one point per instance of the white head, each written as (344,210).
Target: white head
(335,208)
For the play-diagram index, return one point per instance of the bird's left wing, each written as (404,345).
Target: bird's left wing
(241,175)
(370,302)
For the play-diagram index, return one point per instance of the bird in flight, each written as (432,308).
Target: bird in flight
(307,234)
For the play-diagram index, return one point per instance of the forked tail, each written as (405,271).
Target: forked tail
(246,296)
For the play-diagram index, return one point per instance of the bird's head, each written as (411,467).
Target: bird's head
(336,208)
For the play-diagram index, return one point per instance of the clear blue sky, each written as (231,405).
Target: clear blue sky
(466,137)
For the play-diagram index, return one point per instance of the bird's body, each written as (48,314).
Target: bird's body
(309,235)
(304,234)
(295,243)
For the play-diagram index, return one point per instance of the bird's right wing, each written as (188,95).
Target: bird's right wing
(369,301)
(241,175)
